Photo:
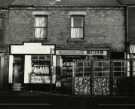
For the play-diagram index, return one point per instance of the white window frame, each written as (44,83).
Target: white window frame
(40,29)
(77,32)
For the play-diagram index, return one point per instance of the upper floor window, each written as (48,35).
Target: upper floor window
(41,26)
(77,26)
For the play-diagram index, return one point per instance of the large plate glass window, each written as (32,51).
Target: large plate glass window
(41,69)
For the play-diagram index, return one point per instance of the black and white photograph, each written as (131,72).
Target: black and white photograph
(67,54)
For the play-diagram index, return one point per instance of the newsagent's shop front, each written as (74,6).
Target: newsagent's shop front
(34,66)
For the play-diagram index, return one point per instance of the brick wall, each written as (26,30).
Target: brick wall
(104,27)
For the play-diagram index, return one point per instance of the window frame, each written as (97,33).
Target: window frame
(83,27)
(45,27)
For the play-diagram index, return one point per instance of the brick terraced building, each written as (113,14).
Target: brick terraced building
(71,46)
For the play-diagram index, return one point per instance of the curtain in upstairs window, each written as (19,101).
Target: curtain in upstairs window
(77,21)
(40,27)
(77,25)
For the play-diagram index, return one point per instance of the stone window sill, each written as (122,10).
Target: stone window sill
(76,40)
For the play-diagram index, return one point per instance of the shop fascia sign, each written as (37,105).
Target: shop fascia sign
(97,52)
(81,52)
(32,48)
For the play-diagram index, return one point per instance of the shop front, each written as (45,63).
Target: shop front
(90,72)
(32,66)
(84,72)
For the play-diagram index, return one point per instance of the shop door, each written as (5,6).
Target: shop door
(67,76)
(18,69)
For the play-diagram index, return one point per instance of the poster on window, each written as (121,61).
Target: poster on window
(40,79)
(40,69)
(40,74)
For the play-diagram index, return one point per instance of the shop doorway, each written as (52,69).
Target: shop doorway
(18,69)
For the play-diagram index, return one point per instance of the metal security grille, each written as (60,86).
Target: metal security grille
(83,77)
(97,77)
(101,77)
(119,69)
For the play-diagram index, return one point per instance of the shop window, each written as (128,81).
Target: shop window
(118,68)
(77,26)
(40,69)
(118,71)
(41,26)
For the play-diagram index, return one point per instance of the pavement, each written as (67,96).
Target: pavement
(49,100)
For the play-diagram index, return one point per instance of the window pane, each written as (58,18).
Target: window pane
(41,21)
(40,32)
(40,69)
(77,21)
(76,32)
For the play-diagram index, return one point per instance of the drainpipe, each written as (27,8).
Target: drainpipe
(129,51)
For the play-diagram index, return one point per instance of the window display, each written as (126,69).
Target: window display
(40,69)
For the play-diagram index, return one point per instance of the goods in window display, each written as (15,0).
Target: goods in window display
(40,69)
(40,74)
(40,79)
(82,86)
(101,86)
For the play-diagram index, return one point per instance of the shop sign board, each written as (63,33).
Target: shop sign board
(32,48)
(97,52)
(81,52)
(70,52)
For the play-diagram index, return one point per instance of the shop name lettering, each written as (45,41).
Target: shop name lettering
(40,69)
(96,52)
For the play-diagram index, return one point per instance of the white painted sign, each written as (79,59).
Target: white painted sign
(40,79)
(32,48)
(70,52)
(97,52)
(81,52)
